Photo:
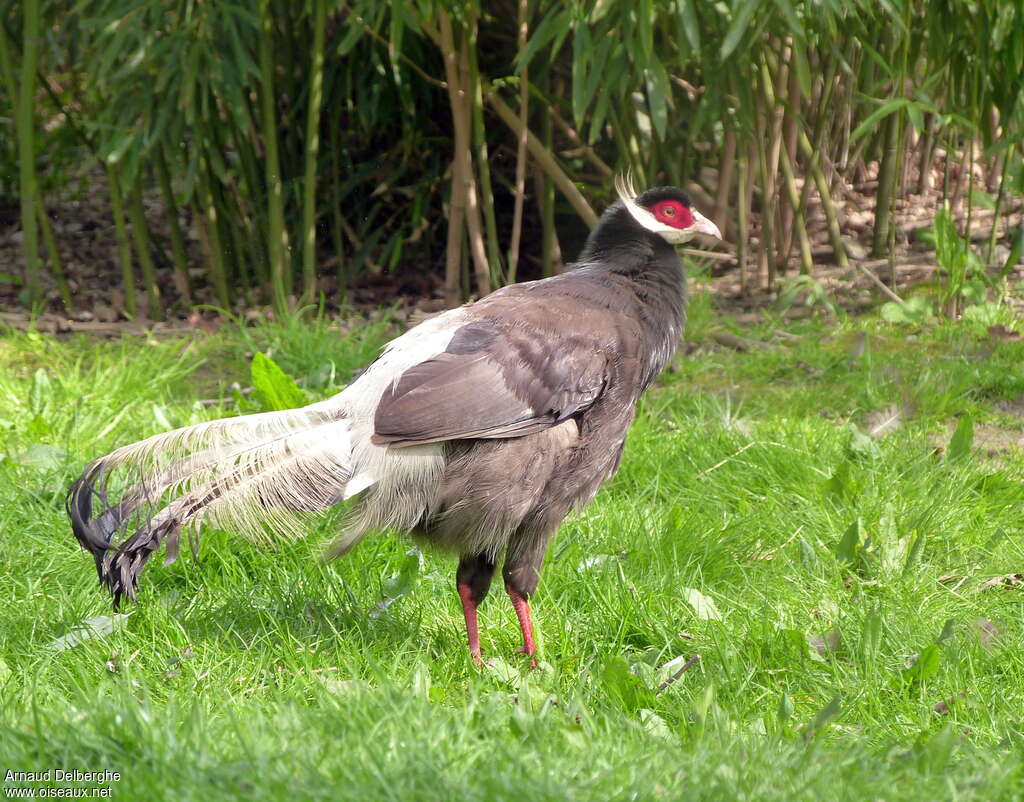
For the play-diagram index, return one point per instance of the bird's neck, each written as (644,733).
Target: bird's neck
(651,269)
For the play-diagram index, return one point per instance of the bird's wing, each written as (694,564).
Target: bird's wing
(492,381)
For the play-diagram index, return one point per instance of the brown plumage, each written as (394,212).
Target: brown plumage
(478,430)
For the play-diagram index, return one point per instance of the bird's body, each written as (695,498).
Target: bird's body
(478,430)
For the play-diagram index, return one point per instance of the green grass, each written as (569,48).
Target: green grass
(846,576)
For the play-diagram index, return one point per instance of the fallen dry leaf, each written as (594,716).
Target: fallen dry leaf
(986,632)
(1004,581)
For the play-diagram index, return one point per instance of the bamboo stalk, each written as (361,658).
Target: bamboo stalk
(54,256)
(522,25)
(140,233)
(544,159)
(822,115)
(483,166)
(316,93)
(791,210)
(970,188)
(210,234)
(25,131)
(745,182)
(725,170)
(1000,198)
(765,262)
(474,227)
(464,206)
(124,248)
(551,251)
(771,221)
(336,224)
(789,180)
(181,279)
(251,189)
(277,236)
(886,186)
(924,182)
(457,201)
(825,195)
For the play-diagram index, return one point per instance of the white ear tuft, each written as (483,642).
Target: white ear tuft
(626,193)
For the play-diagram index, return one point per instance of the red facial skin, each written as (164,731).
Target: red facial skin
(672,213)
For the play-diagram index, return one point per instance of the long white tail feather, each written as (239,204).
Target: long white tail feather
(261,474)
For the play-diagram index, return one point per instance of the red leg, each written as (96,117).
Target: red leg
(469,610)
(522,608)
(473,578)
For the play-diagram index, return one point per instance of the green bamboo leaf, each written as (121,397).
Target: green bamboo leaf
(915,116)
(598,74)
(796,28)
(395,30)
(738,27)
(556,23)
(581,52)
(645,34)
(690,26)
(658,93)
(888,107)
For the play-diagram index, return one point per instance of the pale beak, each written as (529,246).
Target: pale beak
(701,225)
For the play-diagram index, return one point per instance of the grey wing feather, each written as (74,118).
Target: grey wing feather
(486,395)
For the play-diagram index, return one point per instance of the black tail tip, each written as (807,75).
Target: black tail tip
(94,522)
(91,535)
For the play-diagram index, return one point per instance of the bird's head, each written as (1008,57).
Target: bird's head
(666,211)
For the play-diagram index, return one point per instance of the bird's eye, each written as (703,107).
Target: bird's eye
(668,210)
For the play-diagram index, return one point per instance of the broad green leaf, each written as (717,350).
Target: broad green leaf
(1016,253)
(962,440)
(654,724)
(503,671)
(275,389)
(41,456)
(400,583)
(785,709)
(703,606)
(871,636)
(914,551)
(925,666)
(914,310)
(624,686)
(42,390)
(824,717)
(848,545)
(96,627)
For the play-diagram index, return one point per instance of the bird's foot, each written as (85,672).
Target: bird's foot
(529,653)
